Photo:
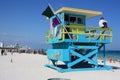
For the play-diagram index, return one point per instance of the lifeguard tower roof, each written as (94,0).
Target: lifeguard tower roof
(87,13)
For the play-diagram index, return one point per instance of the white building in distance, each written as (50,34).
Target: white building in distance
(1,44)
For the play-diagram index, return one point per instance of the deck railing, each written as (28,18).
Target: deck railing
(91,33)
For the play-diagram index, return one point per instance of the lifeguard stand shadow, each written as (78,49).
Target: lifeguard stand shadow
(58,79)
(115,67)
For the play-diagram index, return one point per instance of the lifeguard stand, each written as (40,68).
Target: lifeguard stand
(74,43)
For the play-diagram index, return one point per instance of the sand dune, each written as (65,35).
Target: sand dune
(31,67)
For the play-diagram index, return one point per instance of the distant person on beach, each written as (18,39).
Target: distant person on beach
(2,52)
(5,52)
(103,23)
(12,52)
(109,59)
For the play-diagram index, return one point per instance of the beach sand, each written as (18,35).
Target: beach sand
(31,67)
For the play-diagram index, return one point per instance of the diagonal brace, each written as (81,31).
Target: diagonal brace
(83,57)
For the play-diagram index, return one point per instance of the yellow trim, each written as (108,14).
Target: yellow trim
(87,13)
(111,35)
(102,36)
(63,35)
(107,35)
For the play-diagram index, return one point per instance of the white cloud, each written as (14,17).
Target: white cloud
(4,34)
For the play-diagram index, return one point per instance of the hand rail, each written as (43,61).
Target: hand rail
(102,33)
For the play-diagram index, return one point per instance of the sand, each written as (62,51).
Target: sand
(31,67)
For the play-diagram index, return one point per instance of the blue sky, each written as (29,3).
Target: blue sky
(21,20)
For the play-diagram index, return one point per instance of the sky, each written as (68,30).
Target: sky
(21,20)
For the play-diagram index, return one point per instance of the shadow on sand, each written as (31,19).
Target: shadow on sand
(114,67)
(57,79)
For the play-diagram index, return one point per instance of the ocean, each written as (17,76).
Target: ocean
(113,54)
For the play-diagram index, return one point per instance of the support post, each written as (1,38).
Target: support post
(104,55)
(63,35)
